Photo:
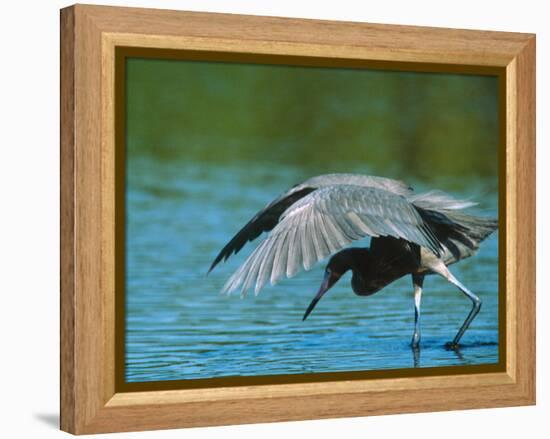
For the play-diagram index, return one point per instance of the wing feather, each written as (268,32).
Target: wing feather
(294,256)
(325,229)
(266,266)
(337,239)
(281,255)
(249,270)
(325,221)
(307,246)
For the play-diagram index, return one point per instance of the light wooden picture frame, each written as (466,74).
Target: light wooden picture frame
(92,401)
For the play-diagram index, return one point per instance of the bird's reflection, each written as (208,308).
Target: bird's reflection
(456,350)
(416,353)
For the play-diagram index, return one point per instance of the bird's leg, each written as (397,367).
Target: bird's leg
(476,306)
(476,302)
(418,280)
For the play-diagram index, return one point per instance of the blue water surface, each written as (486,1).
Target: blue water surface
(179,215)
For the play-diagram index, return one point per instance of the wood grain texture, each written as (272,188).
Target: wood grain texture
(526,217)
(90,35)
(90,319)
(372,41)
(511,216)
(67,232)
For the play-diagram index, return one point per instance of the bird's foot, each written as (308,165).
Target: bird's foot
(451,345)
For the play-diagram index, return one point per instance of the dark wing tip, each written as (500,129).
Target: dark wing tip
(223,254)
(216,261)
(263,221)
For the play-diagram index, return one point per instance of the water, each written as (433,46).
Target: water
(181,213)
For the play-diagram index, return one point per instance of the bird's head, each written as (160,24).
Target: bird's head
(337,266)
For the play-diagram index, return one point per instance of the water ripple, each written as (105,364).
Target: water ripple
(179,327)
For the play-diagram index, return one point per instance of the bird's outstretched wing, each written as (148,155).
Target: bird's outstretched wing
(264,221)
(267,218)
(324,222)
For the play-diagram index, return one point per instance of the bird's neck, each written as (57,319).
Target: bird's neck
(365,280)
(369,276)
(361,284)
(356,260)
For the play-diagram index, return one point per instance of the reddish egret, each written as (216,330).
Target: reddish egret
(416,234)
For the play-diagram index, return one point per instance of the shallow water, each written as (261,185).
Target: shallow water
(179,215)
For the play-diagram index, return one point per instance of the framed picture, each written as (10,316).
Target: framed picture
(371,187)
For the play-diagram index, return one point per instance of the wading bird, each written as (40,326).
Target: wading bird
(416,234)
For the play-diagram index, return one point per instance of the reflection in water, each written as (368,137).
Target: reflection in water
(179,327)
(416,355)
(458,352)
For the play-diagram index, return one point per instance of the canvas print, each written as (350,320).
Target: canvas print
(284,220)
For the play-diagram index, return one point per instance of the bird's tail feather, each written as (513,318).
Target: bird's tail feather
(476,228)
(439,200)
(459,231)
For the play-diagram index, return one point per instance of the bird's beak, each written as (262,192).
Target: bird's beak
(322,290)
